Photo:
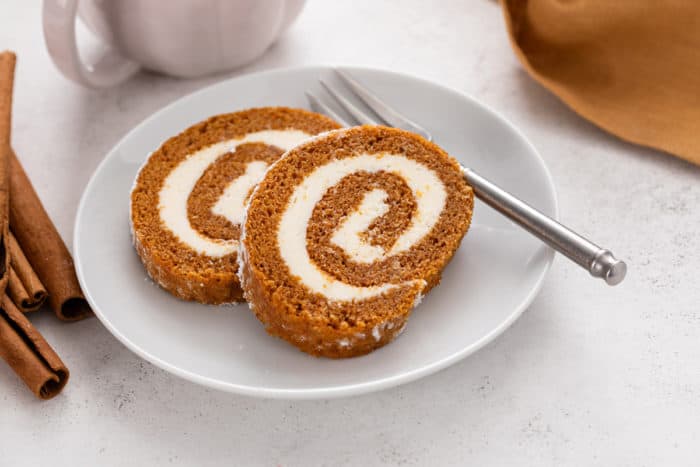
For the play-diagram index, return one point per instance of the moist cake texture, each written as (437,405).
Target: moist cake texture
(346,233)
(188,200)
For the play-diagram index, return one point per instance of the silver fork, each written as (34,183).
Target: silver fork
(600,262)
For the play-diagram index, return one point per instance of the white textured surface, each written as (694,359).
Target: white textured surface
(589,375)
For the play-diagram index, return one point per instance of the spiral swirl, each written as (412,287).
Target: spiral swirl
(344,235)
(426,188)
(188,200)
(182,180)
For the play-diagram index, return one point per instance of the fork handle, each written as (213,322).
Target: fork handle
(598,261)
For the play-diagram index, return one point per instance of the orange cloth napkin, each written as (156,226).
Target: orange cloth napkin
(631,67)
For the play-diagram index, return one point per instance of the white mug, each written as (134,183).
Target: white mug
(184,38)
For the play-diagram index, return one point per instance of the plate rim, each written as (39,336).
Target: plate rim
(318,392)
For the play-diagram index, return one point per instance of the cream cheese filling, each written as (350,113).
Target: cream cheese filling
(427,188)
(176,189)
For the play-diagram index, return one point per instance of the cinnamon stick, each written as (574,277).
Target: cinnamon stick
(44,247)
(21,345)
(7,77)
(15,290)
(25,288)
(28,353)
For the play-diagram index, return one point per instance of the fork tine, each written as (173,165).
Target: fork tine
(359,115)
(320,107)
(389,115)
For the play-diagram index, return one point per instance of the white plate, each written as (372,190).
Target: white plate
(494,276)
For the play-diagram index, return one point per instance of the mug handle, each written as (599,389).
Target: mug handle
(58,19)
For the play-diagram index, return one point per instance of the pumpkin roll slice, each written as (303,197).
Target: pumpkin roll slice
(346,233)
(188,200)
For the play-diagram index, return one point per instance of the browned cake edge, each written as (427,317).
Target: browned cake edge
(311,334)
(216,286)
